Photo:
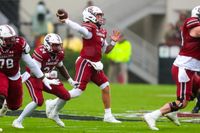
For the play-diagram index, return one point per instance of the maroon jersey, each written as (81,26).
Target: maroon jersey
(190,45)
(92,48)
(10,58)
(48,62)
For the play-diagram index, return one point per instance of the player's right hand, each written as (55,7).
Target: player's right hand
(73,83)
(49,82)
(62,15)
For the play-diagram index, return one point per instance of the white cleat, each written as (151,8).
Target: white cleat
(173,117)
(49,107)
(1,130)
(110,119)
(56,118)
(150,122)
(17,124)
(3,110)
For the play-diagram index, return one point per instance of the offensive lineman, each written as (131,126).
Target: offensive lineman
(12,49)
(183,71)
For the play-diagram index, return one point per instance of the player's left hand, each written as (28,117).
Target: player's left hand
(49,82)
(115,35)
(72,82)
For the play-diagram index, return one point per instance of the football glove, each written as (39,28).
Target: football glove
(49,82)
(72,82)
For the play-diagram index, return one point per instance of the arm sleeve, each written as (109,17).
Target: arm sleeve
(105,45)
(33,65)
(82,30)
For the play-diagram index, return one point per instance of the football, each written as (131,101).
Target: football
(62,14)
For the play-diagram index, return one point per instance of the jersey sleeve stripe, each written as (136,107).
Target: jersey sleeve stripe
(192,22)
(37,56)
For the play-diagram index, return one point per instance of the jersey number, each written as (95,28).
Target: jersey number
(8,62)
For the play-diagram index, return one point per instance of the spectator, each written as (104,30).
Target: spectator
(119,57)
(89,3)
(73,43)
(40,23)
(172,35)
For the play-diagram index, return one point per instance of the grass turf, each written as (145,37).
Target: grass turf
(125,98)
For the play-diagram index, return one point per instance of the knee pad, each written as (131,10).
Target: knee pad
(175,107)
(2,98)
(75,92)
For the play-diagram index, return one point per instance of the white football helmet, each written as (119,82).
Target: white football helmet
(7,36)
(196,12)
(53,42)
(89,14)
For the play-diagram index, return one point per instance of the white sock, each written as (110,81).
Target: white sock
(172,113)
(156,114)
(54,101)
(59,105)
(27,110)
(108,111)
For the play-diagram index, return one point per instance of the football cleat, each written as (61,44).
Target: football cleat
(3,110)
(1,130)
(173,117)
(49,107)
(151,122)
(110,119)
(56,118)
(196,109)
(17,124)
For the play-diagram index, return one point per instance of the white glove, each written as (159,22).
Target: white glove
(72,82)
(25,76)
(49,82)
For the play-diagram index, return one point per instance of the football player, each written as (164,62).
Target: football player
(13,48)
(184,69)
(88,65)
(47,56)
(196,87)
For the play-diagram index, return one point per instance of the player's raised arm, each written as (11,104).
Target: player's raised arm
(63,17)
(114,38)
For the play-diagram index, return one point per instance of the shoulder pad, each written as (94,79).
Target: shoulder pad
(192,22)
(89,26)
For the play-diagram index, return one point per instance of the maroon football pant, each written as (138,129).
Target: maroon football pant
(12,90)
(36,86)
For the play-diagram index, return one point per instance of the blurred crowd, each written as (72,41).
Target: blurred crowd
(173,32)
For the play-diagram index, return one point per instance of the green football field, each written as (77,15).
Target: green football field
(129,102)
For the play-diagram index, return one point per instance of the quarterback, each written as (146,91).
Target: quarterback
(88,65)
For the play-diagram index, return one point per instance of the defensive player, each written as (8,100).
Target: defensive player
(12,49)
(47,56)
(184,68)
(88,65)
